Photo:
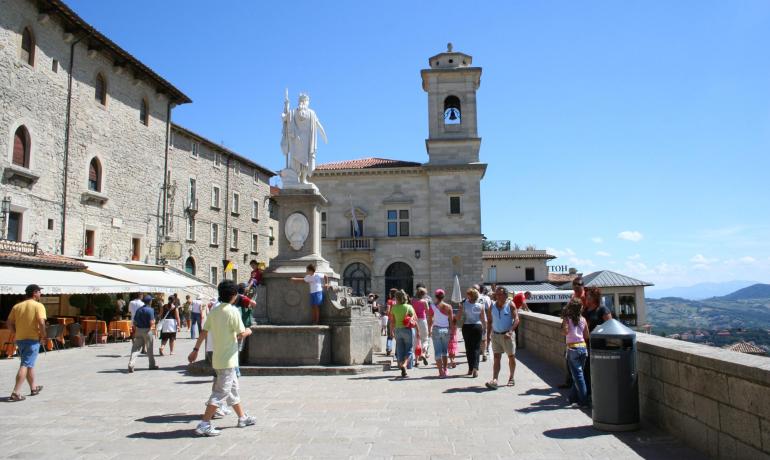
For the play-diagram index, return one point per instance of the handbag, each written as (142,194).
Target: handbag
(161,323)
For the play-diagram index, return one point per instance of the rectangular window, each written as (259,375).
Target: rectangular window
(136,248)
(171,139)
(50,224)
(14,226)
(235,206)
(492,274)
(454,205)
(256,176)
(90,243)
(255,210)
(217,159)
(398,222)
(213,275)
(214,234)
(360,229)
(234,239)
(215,197)
(236,167)
(272,236)
(254,243)
(192,191)
(323,224)
(194,149)
(190,228)
(529,274)
(234,274)
(55,66)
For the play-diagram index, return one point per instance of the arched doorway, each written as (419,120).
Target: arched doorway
(400,276)
(358,277)
(189,266)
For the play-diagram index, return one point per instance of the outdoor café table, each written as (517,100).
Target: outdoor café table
(64,321)
(120,328)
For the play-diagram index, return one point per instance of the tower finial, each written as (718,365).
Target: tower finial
(449,47)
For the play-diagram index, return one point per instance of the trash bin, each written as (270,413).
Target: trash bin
(614,379)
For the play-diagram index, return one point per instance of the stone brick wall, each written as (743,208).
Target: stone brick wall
(717,401)
(208,172)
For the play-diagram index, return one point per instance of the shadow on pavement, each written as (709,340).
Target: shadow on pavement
(372,377)
(110,356)
(170,418)
(575,432)
(174,434)
(468,390)
(193,382)
(554,403)
(541,392)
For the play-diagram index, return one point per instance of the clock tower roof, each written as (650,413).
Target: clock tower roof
(450,59)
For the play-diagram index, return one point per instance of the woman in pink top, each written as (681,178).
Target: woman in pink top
(575,328)
(421,305)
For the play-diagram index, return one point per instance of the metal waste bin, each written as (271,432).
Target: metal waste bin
(614,379)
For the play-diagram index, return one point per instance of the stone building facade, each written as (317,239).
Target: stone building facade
(218,207)
(417,222)
(84,136)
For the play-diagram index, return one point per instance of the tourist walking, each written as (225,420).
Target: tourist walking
(169,326)
(226,324)
(473,314)
(196,315)
(487,302)
(402,315)
(503,320)
(144,325)
(575,329)
(453,345)
(390,341)
(578,292)
(27,323)
(186,311)
(439,318)
(421,306)
(316,283)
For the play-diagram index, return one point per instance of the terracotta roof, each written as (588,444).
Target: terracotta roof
(40,260)
(274,190)
(74,22)
(366,163)
(746,347)
(542,255)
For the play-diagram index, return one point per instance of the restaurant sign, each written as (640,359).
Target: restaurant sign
(550,297)
(171,250)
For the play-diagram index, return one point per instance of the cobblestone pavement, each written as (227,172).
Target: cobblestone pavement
(92,408)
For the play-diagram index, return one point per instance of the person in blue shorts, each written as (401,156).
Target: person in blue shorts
(317,283)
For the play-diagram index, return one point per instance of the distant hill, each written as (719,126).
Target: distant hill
(755,291)
(699,291)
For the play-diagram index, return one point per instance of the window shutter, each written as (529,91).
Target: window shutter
(20,157)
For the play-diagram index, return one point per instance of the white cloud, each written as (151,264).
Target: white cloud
(700,259)
(634,257)
(631,235)
(603,254)
(581,263)
(597,240)
(559,253)
(747,260)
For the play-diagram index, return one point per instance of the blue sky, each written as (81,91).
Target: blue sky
(625,136)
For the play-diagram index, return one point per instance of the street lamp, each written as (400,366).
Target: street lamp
(5,209)
(417,253)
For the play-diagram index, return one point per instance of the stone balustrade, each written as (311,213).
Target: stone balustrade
(356,244)
(715,400)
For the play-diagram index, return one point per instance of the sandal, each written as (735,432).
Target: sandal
(16,397)
(36,391)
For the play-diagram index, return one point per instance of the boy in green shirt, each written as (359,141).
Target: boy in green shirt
(225,324)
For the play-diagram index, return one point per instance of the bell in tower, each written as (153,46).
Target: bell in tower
(451,83)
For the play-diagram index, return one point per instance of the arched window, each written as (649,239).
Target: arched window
(28,46)
(358,277)
(452,112)
(400,276)
(144,113)
(21,147)
(100,89)
(189,266)
(95,175)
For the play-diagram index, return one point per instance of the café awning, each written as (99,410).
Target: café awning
(13,280)
(149,278)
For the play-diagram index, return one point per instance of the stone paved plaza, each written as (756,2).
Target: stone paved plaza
(92,408)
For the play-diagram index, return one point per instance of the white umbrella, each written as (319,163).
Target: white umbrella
(456,294)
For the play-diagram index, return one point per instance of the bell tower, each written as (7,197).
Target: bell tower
(451,83)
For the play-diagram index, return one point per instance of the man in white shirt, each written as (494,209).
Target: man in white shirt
(485,300)
(196,316)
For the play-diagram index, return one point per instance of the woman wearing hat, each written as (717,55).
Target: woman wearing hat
(440,316)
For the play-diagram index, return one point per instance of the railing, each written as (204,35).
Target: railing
(355,244)
(21,247)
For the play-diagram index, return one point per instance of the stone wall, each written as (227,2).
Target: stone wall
(717,401)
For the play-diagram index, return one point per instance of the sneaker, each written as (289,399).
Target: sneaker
(206,429)
(492,385)
(425,360)
(130,369)
(247,420)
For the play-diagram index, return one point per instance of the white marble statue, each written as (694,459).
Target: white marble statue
(298,142)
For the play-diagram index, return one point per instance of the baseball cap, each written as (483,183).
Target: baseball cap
(439,292)
(147,299)
(32,288)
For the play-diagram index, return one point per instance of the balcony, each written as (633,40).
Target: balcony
(355,244)
(192,207)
